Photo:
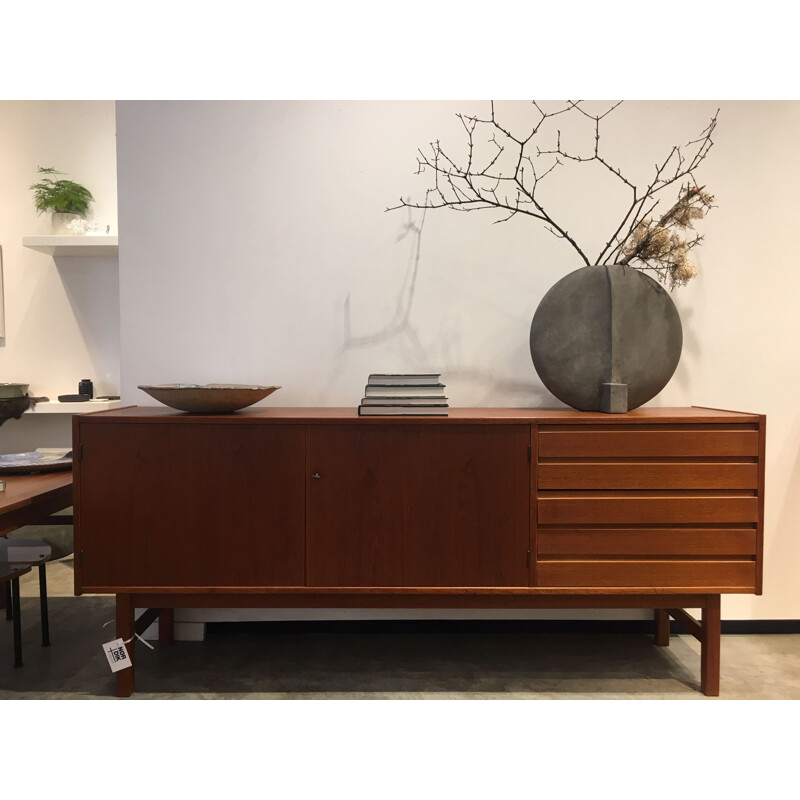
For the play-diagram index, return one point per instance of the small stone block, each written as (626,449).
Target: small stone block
(614,398)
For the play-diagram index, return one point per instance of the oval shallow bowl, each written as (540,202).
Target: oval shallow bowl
(214,398)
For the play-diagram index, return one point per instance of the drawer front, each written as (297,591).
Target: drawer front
(647,475)
(621,542)
(648,506)
(614,509)
(563,442)
(650,574)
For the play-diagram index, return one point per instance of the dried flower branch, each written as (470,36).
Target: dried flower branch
(508,176)
(662,245)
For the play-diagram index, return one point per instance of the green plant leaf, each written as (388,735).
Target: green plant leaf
(60,196)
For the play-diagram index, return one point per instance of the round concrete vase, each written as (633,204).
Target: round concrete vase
(606,338)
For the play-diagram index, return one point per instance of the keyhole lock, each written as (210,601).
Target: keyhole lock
(316,475)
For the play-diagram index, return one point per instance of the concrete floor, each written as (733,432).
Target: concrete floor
(274,661)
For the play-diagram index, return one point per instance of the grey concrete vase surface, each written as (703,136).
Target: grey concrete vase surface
(606,338)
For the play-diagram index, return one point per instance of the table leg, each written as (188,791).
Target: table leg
(166,626)
(7,598)
(710,646)
(16,615)
(43,606)
(661,622)
(125,630)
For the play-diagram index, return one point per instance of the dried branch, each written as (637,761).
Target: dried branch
(480,183)
(662,246)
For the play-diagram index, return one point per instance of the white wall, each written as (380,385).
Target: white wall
(62,316)
(253,238)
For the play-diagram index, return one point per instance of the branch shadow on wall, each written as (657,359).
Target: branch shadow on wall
(400,329)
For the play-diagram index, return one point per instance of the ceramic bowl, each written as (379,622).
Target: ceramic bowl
(13,390)
(214,398)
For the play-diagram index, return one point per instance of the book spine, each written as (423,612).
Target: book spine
(380,390)
(380,380)
(402,411)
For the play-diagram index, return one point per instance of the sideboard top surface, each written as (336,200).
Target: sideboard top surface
(523,416)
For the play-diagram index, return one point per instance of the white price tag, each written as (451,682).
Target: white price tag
(117,655)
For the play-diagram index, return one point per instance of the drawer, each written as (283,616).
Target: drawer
(647,475)
(561,508)
(649,574)
(622,542)
(618,442)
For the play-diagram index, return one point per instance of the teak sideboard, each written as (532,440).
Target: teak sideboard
(659,508)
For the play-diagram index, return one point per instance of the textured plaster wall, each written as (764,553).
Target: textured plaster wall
(255,248)
(62,315)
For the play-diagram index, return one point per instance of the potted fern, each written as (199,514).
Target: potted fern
(66,199)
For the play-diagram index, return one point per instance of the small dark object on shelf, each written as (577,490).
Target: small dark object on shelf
(85,386)
(73,398)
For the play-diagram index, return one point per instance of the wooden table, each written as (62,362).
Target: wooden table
(28,500)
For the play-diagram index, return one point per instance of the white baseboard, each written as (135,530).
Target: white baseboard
(182,631)
(349,614)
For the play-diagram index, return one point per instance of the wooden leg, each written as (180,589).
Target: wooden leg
(709,647)
(43,606)
(661,621)
(17,621)
(5,599)
(125,630)
(166,626)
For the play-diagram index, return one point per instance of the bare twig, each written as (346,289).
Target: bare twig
(506,180)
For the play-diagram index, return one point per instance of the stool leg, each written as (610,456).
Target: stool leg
(43,606)
(17,622)
(7,596)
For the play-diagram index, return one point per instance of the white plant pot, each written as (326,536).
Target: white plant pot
(60,223)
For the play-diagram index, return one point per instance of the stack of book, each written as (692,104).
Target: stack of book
(404,395)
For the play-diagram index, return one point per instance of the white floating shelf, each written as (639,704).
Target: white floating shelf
(87,407)
(58,246)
